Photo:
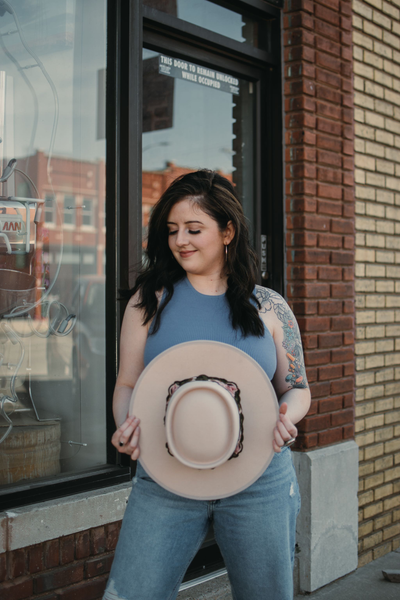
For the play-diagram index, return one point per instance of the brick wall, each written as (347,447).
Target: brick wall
(320,208)
(376,53)
(74,567)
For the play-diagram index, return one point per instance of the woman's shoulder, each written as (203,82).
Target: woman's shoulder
(268,299)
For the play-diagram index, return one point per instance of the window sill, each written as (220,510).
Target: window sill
(49,520)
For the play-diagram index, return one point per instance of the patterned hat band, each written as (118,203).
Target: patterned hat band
(204,423)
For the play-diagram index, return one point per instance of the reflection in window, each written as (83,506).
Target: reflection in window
(87,212)
(49,209)
(51,324)
(69,210)
(211,16)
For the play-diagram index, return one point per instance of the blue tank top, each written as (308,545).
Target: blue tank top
(191,316)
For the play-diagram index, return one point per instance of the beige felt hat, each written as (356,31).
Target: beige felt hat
(208,411)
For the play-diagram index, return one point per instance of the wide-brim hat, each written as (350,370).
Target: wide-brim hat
(207,411)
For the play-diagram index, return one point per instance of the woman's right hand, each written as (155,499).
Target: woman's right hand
(126,438)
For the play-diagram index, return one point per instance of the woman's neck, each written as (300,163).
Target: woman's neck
(211,285)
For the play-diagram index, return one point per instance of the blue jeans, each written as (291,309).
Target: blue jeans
(255,531)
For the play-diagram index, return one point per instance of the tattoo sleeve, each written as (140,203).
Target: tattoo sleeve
(270,300)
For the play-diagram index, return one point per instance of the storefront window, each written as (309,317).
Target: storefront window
(52,238)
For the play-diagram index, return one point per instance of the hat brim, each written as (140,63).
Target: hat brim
(259,405)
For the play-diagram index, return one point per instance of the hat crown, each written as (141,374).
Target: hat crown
(202,424)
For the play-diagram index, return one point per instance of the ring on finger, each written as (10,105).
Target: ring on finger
(121,444)
(289,442)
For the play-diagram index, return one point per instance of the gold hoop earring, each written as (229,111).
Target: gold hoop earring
(226,252)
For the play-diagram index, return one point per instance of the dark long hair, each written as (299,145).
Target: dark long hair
(215,195)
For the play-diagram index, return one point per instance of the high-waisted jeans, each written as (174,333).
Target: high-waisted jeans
(255,531)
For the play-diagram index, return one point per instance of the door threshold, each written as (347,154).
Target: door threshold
(202,579)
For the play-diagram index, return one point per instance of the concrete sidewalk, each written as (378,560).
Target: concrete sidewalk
(366,583)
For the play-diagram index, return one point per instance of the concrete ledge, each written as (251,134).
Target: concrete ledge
(49,520)
(327,526)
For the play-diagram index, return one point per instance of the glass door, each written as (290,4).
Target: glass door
(195,117)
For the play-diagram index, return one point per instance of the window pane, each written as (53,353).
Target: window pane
(52,283)
(195,118)
(232,24)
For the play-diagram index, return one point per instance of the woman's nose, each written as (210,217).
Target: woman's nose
(182,238)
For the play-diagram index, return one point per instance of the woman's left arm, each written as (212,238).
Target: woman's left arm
(290,379)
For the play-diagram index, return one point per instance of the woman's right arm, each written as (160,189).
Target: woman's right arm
(132,344)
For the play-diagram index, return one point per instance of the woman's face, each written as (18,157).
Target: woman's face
(195,239)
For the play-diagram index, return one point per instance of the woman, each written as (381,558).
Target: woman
(199,283)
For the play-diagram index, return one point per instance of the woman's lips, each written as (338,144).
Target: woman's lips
(186,253)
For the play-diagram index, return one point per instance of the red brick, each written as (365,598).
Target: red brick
(82,544)
(342,355)
(342,257)
(296,153)
(306,441)
(303,238)
(342,417)
(329,175)
(51,554)
(17,563)
(329,307)
(349,369)
(328,62)
(348,132)
(342,290)
(302,272)
(348,242)
(348,338)
(329,111)
(57,578)
(332,192)
(299,53)
(326,45)
(348,432)
(342,323)
(313,222)
(329,143)
(348,273)
(329,78)
(308,290)
(345,23)
(67,549)
(329,207)
(326,93)
(348,400)
(332,4)
(329,340)
(346,38)
(299,19)
(329,240)
(348,163)
(327,126)
(330,404)
(315,423)
(304,307)
(346,8)
(331,273)
(326,30)
(35,558)
(342,385)
(348,178)
(310,341)
(348,148)
(331,159)
(17,590)
(99,566)
(348,306)
(98,540)
(331,16)
(342,226)
(329,372)
(317,357)
(331,436)
(314,324)
(87,590)
(320,389)
(303,204)
(309,255)
(303,86)
(293,5)
(312,375)
(301,187)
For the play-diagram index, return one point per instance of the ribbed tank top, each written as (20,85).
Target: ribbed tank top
(191,316)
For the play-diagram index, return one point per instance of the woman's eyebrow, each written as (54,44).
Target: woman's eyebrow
(186,222)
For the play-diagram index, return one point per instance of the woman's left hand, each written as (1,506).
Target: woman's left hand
(284,430)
